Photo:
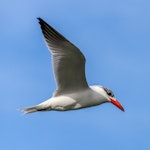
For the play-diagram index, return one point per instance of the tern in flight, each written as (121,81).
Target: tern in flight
(72,90)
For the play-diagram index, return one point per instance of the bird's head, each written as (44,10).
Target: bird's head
(111,98)
(108,95)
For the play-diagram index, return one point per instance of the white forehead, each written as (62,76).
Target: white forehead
(99,89)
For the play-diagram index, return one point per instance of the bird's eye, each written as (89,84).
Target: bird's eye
(109,92)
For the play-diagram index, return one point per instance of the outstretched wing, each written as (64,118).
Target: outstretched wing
(68,61)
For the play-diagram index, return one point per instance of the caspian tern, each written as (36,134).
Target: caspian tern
(72,90)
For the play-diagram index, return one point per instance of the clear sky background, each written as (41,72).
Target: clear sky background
(115,39)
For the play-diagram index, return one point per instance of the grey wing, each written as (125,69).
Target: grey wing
(68,61)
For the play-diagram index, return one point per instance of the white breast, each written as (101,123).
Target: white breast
(85,98)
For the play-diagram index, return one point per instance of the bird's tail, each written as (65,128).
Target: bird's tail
(35,108)
(28,110)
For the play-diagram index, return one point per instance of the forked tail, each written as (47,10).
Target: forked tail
(32,109)
(29,109)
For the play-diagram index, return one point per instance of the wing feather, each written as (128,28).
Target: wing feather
(68,61)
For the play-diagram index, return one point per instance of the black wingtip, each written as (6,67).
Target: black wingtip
(39,19)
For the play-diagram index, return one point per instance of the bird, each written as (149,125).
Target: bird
(72,90)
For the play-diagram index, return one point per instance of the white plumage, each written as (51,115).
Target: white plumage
(72,90)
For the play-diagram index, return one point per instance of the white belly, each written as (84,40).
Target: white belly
(71,101)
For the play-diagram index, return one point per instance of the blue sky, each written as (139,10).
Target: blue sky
(114,36)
